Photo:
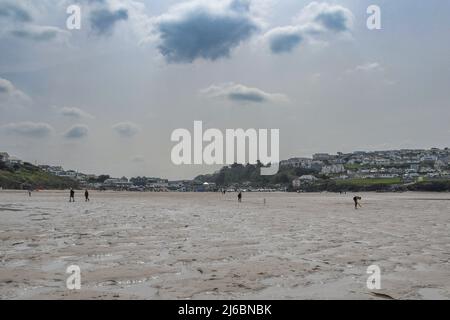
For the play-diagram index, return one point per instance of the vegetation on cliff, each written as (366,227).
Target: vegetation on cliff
(27,176)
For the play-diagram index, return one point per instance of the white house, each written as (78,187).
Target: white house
(117,183)
(333,169)
(308,178)
(297,182)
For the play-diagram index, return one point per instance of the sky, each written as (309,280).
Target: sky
(105,99)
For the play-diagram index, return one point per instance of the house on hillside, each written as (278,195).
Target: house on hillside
(4,157)
(296,163)
(333,169)
(298,182)
(322,157)
(14,160)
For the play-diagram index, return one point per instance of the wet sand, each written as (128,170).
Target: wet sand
(207,246)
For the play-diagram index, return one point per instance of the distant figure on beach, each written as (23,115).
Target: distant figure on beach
(240,196)
(29,192)
(86,195)
(356,201)
(72,195)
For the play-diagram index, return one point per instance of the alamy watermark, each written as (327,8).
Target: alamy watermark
(73,21)
(374,20)
(73,282)
(374,280)
(229,148)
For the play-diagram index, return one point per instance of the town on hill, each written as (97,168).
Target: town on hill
(394,170)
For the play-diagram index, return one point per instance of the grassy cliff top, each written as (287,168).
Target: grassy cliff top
(27,176)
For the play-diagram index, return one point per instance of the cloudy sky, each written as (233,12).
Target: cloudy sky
(106,98)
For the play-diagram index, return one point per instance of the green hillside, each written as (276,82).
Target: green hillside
(27,176)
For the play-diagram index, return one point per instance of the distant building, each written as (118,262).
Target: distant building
(68,174)
(439,164)
(117,183)
(14,160)
(298,182)
(428,158)
(317,165)
(297,163)
(4,156)
(333,169)
(209,186)
(157,183)
(177,185)
(322,157)
(308,177)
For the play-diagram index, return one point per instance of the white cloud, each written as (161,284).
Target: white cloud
(77,132)
(284,39)
(242,94)
(40,33)
(314,21)
(10,95)
(75,113)
(29,129)
(18,20)
(126,129)
(369,67)
(327,17)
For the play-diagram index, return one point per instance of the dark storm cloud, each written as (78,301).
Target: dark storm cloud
(104,20)
(284,40)
(200,30)
(14,12)
(335,20)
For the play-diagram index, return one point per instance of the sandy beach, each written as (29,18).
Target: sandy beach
(207,246)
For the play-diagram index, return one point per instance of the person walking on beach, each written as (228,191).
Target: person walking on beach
(240,196)
(72,195)
(86,195)
(356,201)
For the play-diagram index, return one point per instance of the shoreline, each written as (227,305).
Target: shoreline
(218,192)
